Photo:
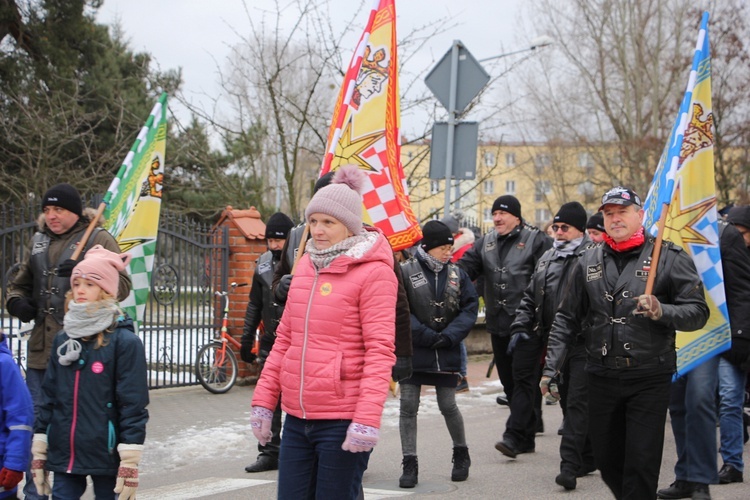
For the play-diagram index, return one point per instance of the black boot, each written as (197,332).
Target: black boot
(461,463)
(263,463)
(409,478)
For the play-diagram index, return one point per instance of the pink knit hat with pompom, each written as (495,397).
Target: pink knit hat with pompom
(102,267)
(341,199)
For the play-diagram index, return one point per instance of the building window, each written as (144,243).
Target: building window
(510,187)
(584,160)
(489,159)
(542,216)
(510,159)
(434,187)
(487,214)
(489,187)
(541,161)
(541,188)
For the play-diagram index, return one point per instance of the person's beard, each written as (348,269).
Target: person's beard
(276,255)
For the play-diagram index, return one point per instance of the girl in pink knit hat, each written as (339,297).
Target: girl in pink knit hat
(92,421)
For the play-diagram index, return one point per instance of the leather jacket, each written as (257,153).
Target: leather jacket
(545,291)
(262,306)
(603,299)
(505,278)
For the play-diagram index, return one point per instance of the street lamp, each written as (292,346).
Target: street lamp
(538,42)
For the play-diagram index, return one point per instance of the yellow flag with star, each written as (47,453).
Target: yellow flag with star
(685,181)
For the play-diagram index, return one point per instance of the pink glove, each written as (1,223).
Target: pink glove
(260,421)
(649,306)
(360,437)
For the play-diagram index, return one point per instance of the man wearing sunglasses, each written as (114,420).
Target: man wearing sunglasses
(532,324)
(629,339)
(506,258)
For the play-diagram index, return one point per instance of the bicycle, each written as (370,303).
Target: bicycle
(216,366)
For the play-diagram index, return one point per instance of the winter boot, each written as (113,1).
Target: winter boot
(411,470)
(461,463)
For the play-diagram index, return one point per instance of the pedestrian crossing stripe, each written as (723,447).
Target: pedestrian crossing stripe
(219,485)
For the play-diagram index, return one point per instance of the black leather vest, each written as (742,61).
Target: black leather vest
(271,314)
(423,303)
(506,281)
(294,239)
(50,289)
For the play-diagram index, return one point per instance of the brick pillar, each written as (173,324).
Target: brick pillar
(246,243)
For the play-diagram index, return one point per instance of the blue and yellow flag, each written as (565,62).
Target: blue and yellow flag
(684,180)
(133,204)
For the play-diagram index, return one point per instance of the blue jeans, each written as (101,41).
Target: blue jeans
(312,463)
(34,379)
(73,486)
(464,360)
(731,400)
(692,408)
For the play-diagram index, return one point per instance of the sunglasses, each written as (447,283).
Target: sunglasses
(564,227)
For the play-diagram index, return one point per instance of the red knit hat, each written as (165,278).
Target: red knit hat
(102,267)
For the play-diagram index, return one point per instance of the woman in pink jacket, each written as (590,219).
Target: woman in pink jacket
(333,354)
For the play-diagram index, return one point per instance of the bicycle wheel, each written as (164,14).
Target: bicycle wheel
(216,370)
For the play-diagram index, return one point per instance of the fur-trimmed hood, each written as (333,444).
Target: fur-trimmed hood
(465,237)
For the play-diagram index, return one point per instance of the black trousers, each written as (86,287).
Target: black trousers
(626,425)
(576,454)
(503,362)
(527,371)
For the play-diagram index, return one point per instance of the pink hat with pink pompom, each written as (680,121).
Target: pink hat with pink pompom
(102,267)
(341,199)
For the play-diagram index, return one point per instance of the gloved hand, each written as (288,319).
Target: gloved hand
(127,474)
(282,289)
(360,437)
(260,422)
(10,478)
(549,389)
(65,269)
(402,369)
(22,308)
(38,463)
(246,352)
(514,339)
(649,306)
(740,351)
(441,342)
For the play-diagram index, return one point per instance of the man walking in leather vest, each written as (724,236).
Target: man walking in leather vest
(533,322)
(262,306)
(630,341)
(506,257)
(37,292)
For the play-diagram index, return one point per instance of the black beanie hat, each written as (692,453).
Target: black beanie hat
(740,215)
(64,196)
(572,213)
(278,226)
(596,221)
(323,181)
(435,234)
(507,203)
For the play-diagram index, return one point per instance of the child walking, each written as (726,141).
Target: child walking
(92,421)
(443,306)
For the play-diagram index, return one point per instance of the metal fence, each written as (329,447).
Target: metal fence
(191,262)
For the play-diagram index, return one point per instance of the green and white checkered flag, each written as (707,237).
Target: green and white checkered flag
(133,203)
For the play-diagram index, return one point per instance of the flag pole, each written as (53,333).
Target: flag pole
(656,252)
(89,230)
(301,248)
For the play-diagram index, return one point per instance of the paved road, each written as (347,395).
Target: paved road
(198,444)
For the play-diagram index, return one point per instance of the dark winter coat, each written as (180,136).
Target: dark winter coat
(735,261)
(431,287)
(262,306)
(100,401)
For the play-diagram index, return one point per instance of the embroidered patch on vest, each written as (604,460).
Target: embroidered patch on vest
(642,274)
(594,272)
(490,245)
(264,267)
(417,280)
(521,246)
(326,289)
(39,247)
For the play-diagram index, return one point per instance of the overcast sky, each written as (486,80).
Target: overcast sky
(196,34)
